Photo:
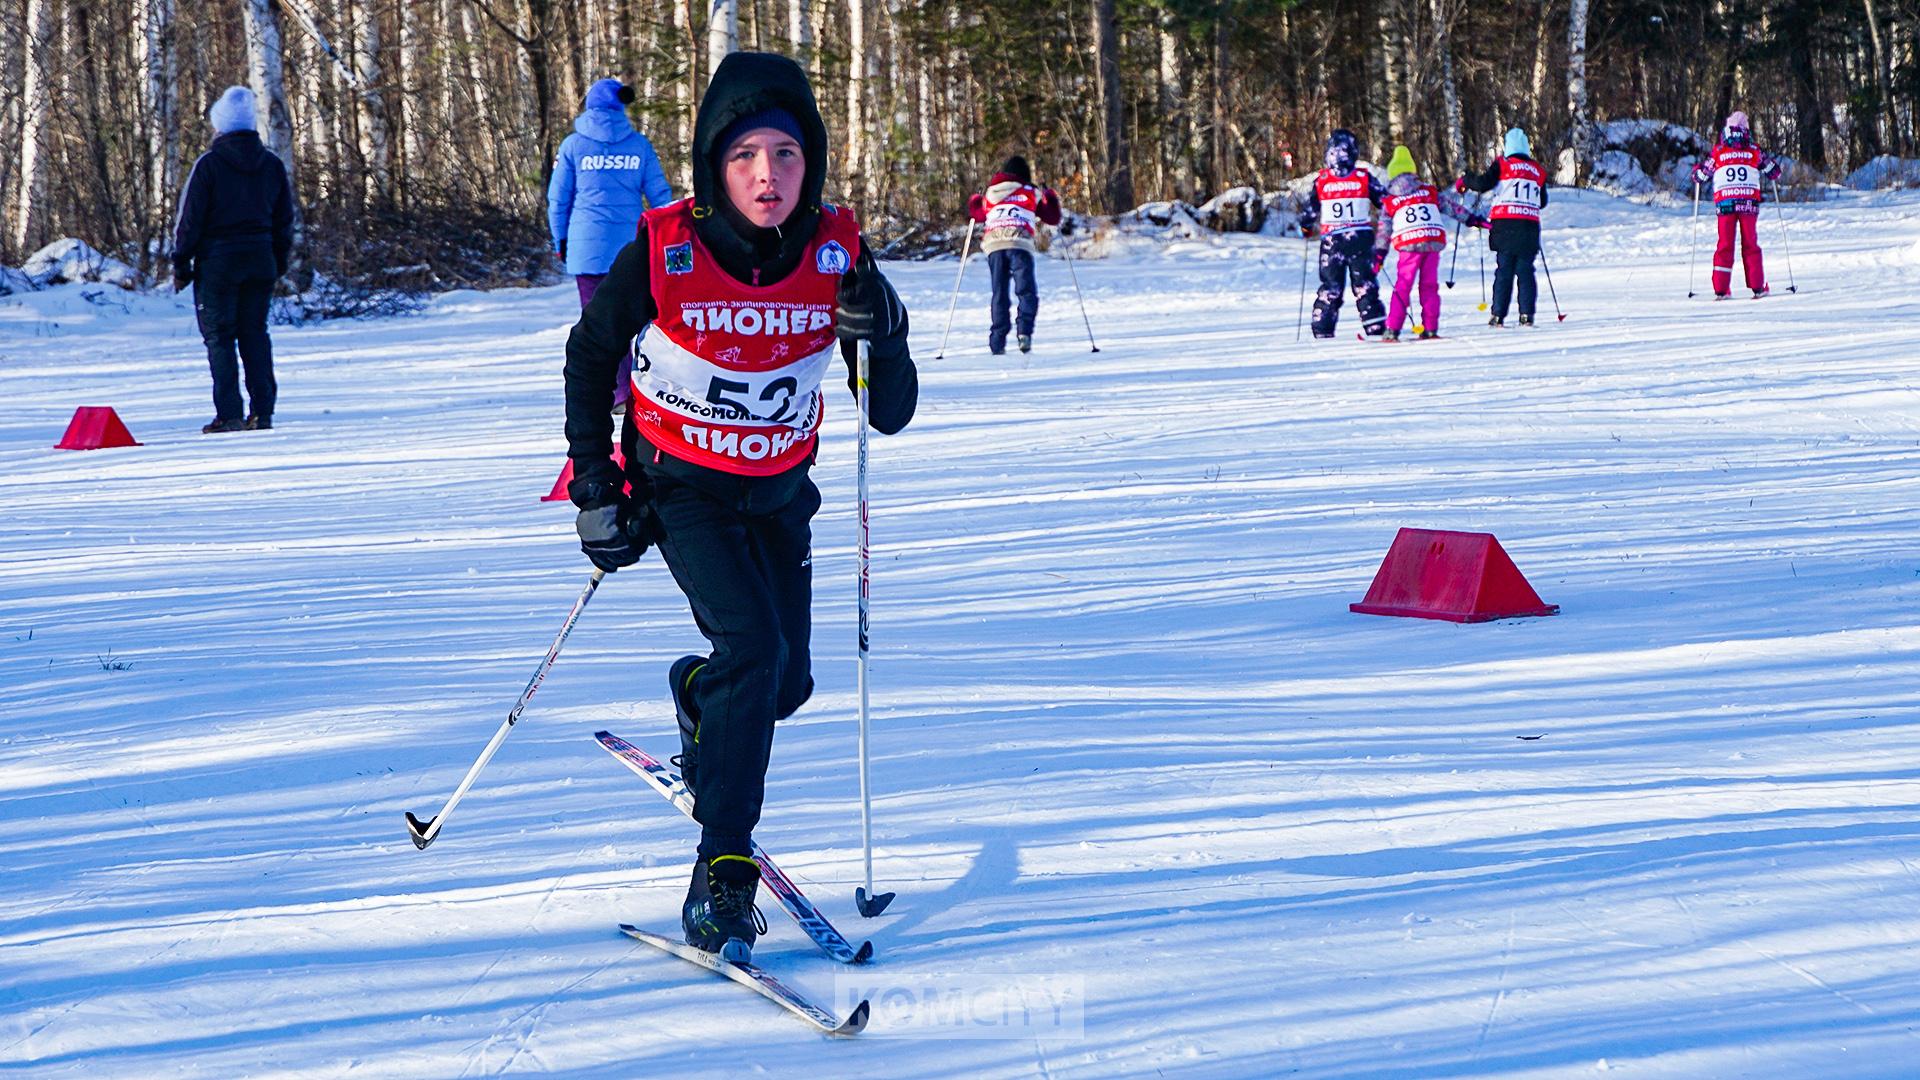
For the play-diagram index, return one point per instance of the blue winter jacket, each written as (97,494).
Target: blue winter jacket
(599,177)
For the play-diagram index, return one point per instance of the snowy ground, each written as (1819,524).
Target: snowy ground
(1127,731)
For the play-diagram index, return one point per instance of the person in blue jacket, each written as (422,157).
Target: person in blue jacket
(600,176)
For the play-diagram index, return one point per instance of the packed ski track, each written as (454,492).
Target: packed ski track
(1125,729)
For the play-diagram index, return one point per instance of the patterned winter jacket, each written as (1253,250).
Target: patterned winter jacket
(1013,213)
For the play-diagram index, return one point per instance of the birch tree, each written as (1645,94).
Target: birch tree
(162,98)
(723,33)
(35,102)
(1579,127)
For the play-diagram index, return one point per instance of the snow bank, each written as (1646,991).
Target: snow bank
(14,281)
(1639,158)
(1885,171)
(73,260)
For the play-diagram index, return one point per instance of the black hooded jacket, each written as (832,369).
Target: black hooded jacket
(237,196)
(745,83)
(1508,234)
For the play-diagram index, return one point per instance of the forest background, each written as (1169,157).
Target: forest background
(420,133)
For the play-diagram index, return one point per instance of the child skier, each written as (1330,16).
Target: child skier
(1418,232)
(742,289)
(1341,207)
(1736,168)
(1013,211)
(1519,187)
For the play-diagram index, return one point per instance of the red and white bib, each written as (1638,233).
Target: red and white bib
(729,374)
(1518,195)
(1346,202)
(1014,216)
(1736,172)
(1416,217)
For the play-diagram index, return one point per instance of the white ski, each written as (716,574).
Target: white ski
(664,781)
(759,980)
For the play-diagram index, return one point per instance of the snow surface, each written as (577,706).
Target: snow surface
(1126,730)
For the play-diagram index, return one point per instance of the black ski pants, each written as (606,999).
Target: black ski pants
(1515,264)
(747,572)
(1011,269)
(231,289)
(1345,257)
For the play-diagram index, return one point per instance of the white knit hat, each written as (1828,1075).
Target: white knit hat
(233,112)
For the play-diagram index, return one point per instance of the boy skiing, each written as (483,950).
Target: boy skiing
(1519,187)
(1341,207)
(741,289)
(1013,211)
(1416,208)
(1735,169)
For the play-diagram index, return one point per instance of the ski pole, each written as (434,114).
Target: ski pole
(1301,319)
(1083,300)
(966,252)
(1548,267)
(1456,252)
(424,832)
(1693,239)
(1780,214)
(865,899)
(1483,279)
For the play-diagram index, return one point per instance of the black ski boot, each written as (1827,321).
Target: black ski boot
(218,425)
(1496,321)
(719,915)
(258,422)
(1026,342)
(1526,320)
(1428,335)
(680,684)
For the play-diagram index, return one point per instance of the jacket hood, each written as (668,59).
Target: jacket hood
(1008,178)
(746,83)
(1403,184)
(607,94)
(241,149)
(605,125)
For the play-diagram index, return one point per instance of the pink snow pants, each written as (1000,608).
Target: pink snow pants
(1749,253)
(1408,265)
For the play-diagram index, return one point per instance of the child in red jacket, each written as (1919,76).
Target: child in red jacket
(1013,210)
(1735,169)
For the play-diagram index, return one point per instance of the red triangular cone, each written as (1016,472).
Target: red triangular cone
(559,492)
(95,427)
(1456,576)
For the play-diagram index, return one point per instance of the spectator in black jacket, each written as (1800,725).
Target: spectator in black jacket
(231,242)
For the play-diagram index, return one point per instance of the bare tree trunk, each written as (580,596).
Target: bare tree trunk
(29,219)
(374,148)
(684,94)
(1579,127)
(1542,53)
(412,102)
(1449,91)
(799,31)
(723,33)
(321,155)
(1393,55)
(1883,83)
(1219,162)
(1118,156)
(163,97)
(856,97)
(267,74)
(1171,180)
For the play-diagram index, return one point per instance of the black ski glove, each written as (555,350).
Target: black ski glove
(614,535)
(182,275)
(868,307)
(614,529)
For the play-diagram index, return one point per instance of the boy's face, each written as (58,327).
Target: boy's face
(764,169)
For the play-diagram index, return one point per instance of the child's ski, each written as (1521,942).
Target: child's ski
(664,781)
(760,981)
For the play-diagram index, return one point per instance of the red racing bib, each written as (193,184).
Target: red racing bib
(1736,173)
(1517,197)
(1416,217)
(728,375)
(1345,202)
(1016,217)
